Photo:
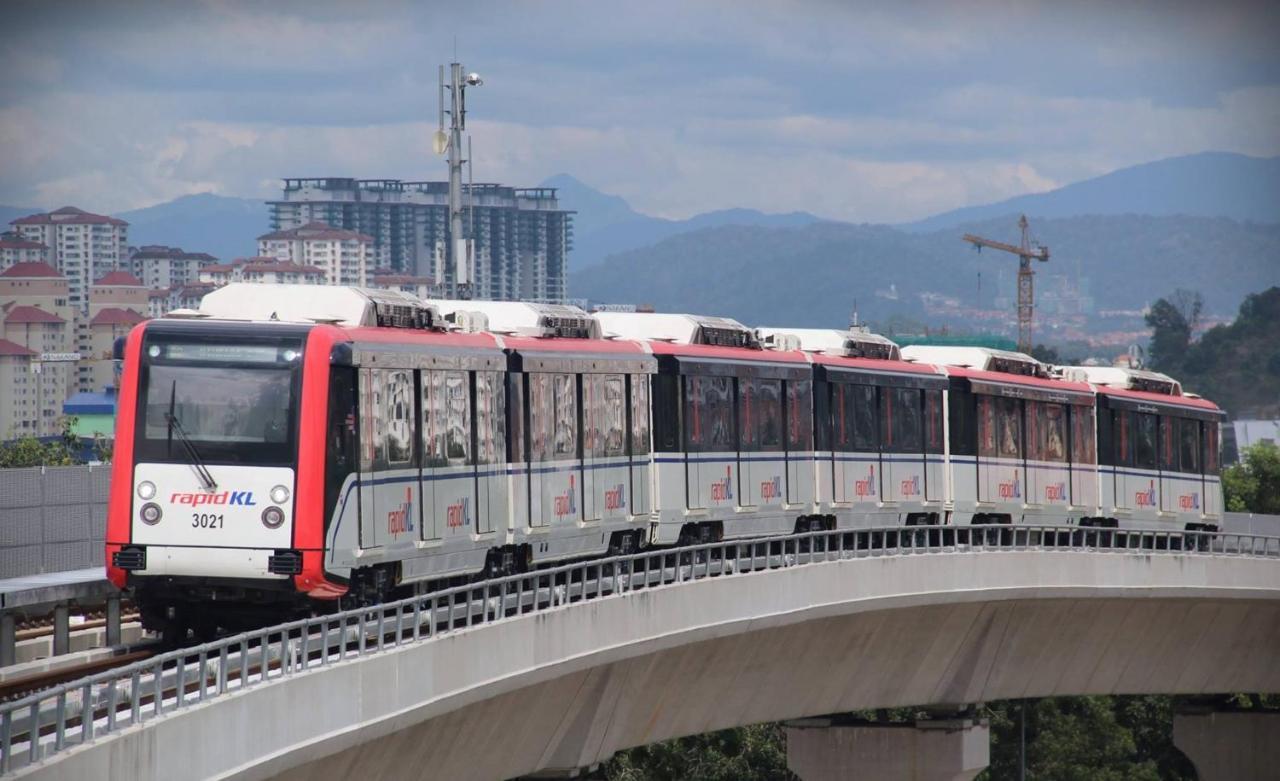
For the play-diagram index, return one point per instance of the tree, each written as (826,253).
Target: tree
(1253,484)
(29,451)
(755,753)
(1172,321)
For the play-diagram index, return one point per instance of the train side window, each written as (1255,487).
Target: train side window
(987,427)
(1050,440)
(768,415)
(341,441)
(694,413)
(457,433)
(902,424)
(1010,435)
(841,414)
(515,418)
(608,414)
(592,416)
(1123,437)
(962,421)
(434,419)
(933,442)
(1082,446)
(1189,445)
(396,412)
(667,406)
(565,442)
(1210,459)
(799,415)
(1144,440)
(720,432)
(541,417)
(491,445)
(639,414)
(748,411)
(370,399)
(1168,444)
(865,427)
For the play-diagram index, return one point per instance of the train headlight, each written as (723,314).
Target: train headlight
(279,494)
(272,517)
(146,490)
(150,513)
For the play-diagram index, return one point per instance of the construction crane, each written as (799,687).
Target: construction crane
(1026,276)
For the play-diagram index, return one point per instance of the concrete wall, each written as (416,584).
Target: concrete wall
(570,687)
(52,519)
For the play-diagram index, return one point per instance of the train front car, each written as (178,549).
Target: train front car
(1158,450)
(205,473)
(1021,443)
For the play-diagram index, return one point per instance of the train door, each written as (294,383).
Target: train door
(1084,466)
(1167,455)
(592,446)
(1212,490)
(694,435)
(541,432)
(748,439)
(452,470)
(1122,458)
(841,439)
(933,445)
(799,456)
(492,510)
(562,486)
(769,466)
(370,398)
(638,424)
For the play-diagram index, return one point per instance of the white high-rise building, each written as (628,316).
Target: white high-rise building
(345,256)
(83,247)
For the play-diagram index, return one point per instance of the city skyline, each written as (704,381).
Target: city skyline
(902,112)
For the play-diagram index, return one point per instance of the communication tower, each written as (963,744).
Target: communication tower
(461,250)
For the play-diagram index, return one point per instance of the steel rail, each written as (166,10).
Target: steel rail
(49,722)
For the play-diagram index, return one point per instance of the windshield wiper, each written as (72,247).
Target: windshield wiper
(193,455)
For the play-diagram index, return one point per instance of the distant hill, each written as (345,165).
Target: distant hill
(811,275)
(219,225)
(1209,184)
(10,213)
(606,224)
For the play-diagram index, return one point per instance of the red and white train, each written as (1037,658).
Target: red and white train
(286,450)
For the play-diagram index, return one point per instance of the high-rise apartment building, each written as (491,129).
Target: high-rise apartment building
(522,236)
(345,256)
(14,249)
(37,350)
(82,246)
(263,271)
(163,268)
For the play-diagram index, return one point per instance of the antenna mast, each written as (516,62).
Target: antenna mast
(461,248)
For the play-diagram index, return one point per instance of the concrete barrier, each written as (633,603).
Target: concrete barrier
(568,687)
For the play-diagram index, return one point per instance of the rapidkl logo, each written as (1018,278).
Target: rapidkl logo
(863,488)
(458,514)
(615,498)
(1146,498)
(722,490)
(1011,490)
(771,489)
(401,520)
(1055,492)
(566,503)
(911,486)
(240,498)
(1189,501)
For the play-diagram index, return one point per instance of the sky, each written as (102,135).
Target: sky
(866,112)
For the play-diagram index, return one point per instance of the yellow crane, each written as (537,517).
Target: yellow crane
(1026,276)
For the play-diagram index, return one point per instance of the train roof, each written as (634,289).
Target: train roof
(519,318)
(684,329)
(977,358)
(312,304)
(853,343)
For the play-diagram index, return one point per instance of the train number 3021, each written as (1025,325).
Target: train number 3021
(206,521)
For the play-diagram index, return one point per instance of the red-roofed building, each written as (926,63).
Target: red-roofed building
(422,287)
(81,246)
(262,270)
(163,268)
(107,324)
(15,250)
(26,315)
(118,289)
(46,340)
(344,256)
(19,392)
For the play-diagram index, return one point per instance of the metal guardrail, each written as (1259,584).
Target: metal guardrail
(73,713)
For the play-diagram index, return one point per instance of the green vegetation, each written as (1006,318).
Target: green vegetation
(29,451)
(1236,365)
(1253,484)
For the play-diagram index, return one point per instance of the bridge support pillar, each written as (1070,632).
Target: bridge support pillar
(1239,745)
(943,750)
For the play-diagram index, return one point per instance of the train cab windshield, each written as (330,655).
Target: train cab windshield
(230,401)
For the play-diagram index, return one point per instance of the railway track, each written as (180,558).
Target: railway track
(24,685)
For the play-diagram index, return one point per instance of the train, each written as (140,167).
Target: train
(288,450)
